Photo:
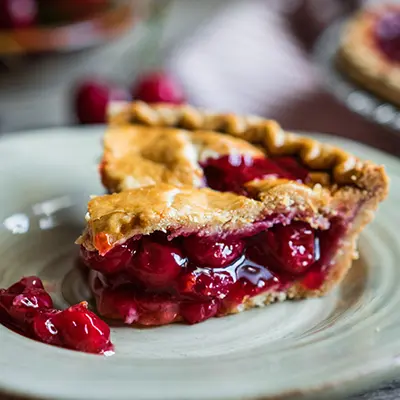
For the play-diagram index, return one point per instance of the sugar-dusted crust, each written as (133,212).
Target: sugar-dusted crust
(171,201)
(360,59)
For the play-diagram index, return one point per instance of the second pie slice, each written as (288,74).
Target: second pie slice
(228,213)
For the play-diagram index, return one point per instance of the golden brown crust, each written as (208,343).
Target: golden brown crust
(167,208)
(360,59)
(341,184)
(340,265)
(137,156)
(253,135)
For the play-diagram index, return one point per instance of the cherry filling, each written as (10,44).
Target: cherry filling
(154,281)
(28,309)
(387,34)
(194,278)
(230,173)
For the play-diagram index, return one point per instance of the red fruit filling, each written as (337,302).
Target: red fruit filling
(28,309)
(291,247)
(152,280)
(116,260)
(157,263)
(207,252)
(387,35)
(194,312)
(230,173)
(194,278)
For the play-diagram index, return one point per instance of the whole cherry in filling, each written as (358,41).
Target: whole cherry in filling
(387,34)
(209,252)
(158,262)
(203,284)
(28,309)
(292,248)
(230,173)
(117,258)
(193,278)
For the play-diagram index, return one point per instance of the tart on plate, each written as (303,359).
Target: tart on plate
(213,214)
(370,51)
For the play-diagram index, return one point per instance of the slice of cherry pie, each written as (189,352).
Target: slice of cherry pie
(370,50)
(226,213)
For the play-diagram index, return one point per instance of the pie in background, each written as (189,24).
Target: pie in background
(369,52)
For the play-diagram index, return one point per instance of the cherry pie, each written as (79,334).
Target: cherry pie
(219,213)
(370,51)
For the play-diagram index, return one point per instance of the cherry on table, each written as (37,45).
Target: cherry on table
(17,14)
(92,98)
(158,87)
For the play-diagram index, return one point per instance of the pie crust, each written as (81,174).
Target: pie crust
(362,60)
(167,144)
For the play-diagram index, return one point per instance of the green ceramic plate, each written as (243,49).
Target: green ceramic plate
(319,348)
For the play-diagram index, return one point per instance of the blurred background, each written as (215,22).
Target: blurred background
(61,61)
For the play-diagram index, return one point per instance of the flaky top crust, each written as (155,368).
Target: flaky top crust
(360,58)
(183,210)
(160,146)
(137,156)
(138,131)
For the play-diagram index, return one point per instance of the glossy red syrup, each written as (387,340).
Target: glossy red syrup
(28,309)
(202,277)
(387,35)
(230,173)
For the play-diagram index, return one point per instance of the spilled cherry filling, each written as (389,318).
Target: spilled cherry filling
(387,34)
(194,278)
(27,308)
